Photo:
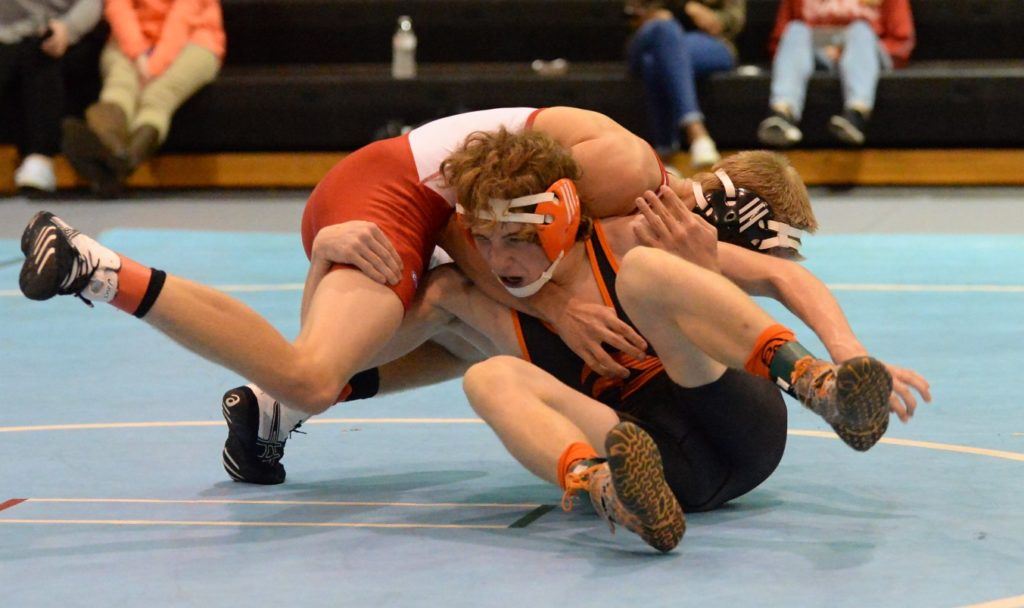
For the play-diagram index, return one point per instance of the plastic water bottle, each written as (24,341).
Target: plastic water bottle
(403,50)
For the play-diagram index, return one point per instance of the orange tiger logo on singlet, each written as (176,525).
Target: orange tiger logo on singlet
(640,372)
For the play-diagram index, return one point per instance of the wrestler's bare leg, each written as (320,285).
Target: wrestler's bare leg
(534,414)
(698,321)
(308,373)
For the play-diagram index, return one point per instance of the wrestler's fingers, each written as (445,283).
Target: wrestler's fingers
(917,381)
(367,267)
(657,225)
(385,260)
(660,208)
(601,362)
(645,234)
(905,394)
(627,339)
(390,254)
(897,407)
(673,203)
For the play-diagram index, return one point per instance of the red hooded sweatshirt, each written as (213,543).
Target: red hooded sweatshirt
(891,20)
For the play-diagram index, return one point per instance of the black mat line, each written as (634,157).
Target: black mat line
(532,516)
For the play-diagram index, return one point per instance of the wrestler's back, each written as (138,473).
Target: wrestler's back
(435,141)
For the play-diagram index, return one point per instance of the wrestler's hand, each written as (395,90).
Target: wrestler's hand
(362,244)
(902,401)
(585,327)
(669,225)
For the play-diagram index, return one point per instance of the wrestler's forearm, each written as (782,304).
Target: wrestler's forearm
(812,302)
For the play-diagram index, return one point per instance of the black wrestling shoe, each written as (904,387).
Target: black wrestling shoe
(59,260)
(246,457)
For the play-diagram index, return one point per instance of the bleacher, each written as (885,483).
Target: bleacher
(312,76)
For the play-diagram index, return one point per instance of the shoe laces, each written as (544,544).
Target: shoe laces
(82,266)
(601,492)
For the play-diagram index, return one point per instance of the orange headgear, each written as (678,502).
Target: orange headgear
(557,216)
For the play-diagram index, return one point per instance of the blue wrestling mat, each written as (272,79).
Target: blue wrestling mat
(112,434)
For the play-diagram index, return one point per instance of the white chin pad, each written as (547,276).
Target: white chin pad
(528,290)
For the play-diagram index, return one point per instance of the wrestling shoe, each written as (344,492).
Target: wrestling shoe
(59,260)
(246,456)
(852,397)
(630,489)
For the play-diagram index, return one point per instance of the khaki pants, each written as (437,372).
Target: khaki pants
(155,102)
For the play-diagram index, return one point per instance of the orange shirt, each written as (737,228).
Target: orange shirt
(164,27)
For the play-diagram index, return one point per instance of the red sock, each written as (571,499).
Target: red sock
(137,287)
(574,453)
(767,343)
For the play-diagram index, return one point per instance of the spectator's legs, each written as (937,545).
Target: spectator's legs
(647,59)
(791,69)
(120,80)
(42,101)
(38,102)
(860,66)
(194,68)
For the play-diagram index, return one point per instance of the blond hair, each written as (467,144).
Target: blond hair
(502,164)
(773,178)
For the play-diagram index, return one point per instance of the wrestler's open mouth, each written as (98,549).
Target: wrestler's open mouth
(511,281)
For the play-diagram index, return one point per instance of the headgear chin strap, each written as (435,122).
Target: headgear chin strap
(743,218)
(557,216)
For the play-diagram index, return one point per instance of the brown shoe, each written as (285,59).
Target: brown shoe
(109,123)
(143,143)
(852,397)
(92,160)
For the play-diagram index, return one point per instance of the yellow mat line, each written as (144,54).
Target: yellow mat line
(1009,602)
(251,524)
(208,423)
(315,503)
(929,445)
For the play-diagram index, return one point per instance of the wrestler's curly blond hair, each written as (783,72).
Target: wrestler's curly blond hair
(501,164)
(770,175)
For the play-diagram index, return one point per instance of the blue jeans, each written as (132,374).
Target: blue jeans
(670,60)
(859,66)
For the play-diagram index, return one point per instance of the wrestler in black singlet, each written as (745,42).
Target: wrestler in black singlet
(717,441)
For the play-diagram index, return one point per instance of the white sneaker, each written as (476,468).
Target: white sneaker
(36,173)
(703,152)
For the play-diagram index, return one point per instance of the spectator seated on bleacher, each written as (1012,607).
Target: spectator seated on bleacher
(34,36)
(159,54)
(677,42)
(856,38)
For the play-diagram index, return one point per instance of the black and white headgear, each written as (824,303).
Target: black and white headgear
(743,218)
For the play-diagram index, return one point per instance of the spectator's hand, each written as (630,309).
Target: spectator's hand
(668,224)
(833,52)
(640,13)
(703,17)
(902,401)
(361,244)
(586,327)
(56,44)
(142,67)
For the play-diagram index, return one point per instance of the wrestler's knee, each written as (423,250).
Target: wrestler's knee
(310,385)
(641,270)
(490,381)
